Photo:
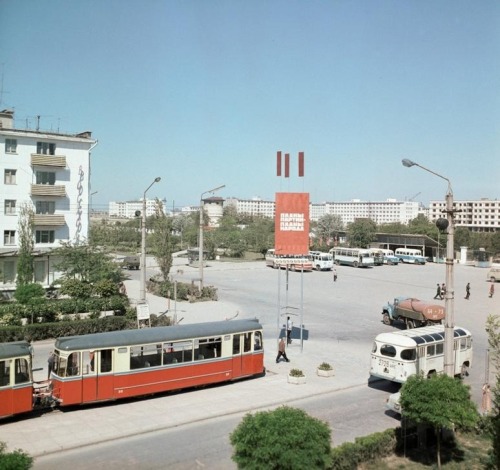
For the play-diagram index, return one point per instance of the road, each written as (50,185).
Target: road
(205,445)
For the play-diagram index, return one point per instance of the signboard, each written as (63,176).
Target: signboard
(291,224)
(143,312)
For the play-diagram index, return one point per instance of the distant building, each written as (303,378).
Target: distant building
(253,206)
(48,172)
(128,209)
(481,215)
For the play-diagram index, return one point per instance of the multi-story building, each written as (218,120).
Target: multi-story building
(478,216)
(388,211)
(128,209)
(48,173)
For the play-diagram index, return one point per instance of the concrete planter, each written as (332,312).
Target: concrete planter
(325,373)
(296,380)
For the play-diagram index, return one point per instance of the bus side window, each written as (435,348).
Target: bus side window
(4,373)
(431,350)
(439,348)
(408,354)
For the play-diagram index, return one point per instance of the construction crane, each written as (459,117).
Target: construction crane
(414,196)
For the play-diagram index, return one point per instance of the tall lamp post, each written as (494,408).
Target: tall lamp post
(142,292)
(200,247)
(449,368)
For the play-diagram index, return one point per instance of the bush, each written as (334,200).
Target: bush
(296,373)
(76,289)
(105,288)
(25,293)
(16,460)
(284,438)
(325,366)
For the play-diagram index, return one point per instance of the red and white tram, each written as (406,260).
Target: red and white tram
(16,381)
(121,364)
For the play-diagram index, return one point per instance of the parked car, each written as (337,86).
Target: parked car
(493,275)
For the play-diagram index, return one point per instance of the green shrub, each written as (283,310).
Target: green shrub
(105,288)
(25,293)
(284,438)
(16,460)
(325,366)
(76,289)
(296,373)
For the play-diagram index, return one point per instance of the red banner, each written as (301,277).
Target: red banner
(291,224)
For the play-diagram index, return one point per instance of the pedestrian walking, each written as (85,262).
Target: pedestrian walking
(281,351)
(334,275)
(443,290)
(289,327)
(492,289)
(50,363)
(467,291)
(438,292)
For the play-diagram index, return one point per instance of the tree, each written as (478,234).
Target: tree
(161,240)
(328,228)
(493,330)
(283,438)
(86,263)
(26,228)
(362,233)
(440,401)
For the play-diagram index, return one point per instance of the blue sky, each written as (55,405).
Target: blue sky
(204,93)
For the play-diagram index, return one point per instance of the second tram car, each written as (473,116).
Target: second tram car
(121,364)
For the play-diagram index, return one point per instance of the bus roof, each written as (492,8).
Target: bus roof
(14,349)
(418,336)
(155,335)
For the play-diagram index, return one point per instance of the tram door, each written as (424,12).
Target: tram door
(98,383)
(242,354)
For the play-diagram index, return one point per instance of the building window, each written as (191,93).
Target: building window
(10,177)
(9,271)
(10,207)
(10,145)
(45,148)
(9,237)
(45,177)
(44,236)
(45,207)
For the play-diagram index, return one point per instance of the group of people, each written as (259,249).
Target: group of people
(441,291)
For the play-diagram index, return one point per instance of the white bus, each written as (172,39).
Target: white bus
(410,255)
(291,262)
(357,257)
(321,261)
(389,257)
(397,355)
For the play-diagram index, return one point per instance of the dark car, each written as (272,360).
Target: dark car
(131,262)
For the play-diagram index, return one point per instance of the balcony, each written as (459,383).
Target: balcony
(52,220)
(57,190)
(54,161)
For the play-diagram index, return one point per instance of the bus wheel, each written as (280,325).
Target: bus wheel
(337,262)
(355,264)
(318,267)
(410,325)
(464,371)
(386,319)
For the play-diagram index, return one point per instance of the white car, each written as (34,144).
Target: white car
(392,403)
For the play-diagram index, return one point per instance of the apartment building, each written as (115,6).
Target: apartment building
(482,215)
(49,173)
(128,209)
(255,206)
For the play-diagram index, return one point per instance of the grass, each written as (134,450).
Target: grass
(469,453)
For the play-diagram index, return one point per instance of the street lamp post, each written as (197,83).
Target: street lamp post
(142,292)
(200,245)
(449,363)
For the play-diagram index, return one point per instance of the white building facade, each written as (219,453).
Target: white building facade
(478,216)
(50,174)
(128,209)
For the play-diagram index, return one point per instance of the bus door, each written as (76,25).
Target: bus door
(421,360)
(242,354)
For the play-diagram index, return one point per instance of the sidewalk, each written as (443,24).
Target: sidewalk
(62,430)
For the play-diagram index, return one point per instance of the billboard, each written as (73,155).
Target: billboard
(291,224)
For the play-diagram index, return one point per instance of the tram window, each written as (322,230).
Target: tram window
(439,348)
(258,341)
(431,350)
(463,344)
(236,344)
(73,364)
(106,360)
(87,362)
(22,371)
(408,354)
(207,347)
(4,373)
(179,351)
(388,350)
(247,342)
